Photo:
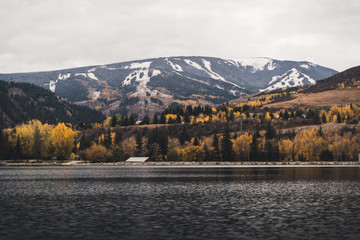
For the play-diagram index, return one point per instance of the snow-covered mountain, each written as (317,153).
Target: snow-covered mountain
(147,86)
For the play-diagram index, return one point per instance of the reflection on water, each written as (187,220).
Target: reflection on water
(114,202)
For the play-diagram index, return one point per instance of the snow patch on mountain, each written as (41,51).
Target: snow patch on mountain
(305,66)
(96,95)
(141,76)
(176,67)
(52,84)
(291,78)
(193,64)
(257,64)
(212,74)
(90,75)
(139,65)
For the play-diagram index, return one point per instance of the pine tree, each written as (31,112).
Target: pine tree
(138,143)
(37,145)
(146,120)
(187,117)
(270,131)
(227,152)
(107,139)
(132,120)
(178,118)
(196,141)
(162,118)
(113,121)
(254,145)
(323,118)
(126,121)
(84,143)
(155,119)
(18,154)
(118,137)
(215,144)
(184,136)
(207,157)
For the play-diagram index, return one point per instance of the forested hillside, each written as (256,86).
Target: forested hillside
(21,102)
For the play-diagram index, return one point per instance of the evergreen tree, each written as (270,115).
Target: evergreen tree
(155,119)
(270,131)
(18,154)
(132,120)
(323,118)
(207,157)
(162,118)
(138,143)
(184,136)
(163,142)
(157,138)
(37,145)
(338,118)
(126,121)
(113,121)
(227,152)
(178,118)
(146,120)
(253,146)
(118,137)
(215,145)
(320,132)
(107,139)
(196,141)
(84,143)
(187,117)
(231,116)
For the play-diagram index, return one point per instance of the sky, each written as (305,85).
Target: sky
(41,35)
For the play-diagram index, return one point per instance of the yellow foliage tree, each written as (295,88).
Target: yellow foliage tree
(310,144)
(129,145)
(192,153)
(241,146)
(62,138)
(267,116)
(287,149)
(341,147)
(27,135)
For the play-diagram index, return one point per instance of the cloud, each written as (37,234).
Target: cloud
(48,34)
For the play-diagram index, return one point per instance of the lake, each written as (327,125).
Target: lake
(156,202)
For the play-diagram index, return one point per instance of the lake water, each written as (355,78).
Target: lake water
(122,202)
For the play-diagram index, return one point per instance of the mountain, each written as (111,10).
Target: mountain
(349,78)
(148,86)
(21,102)
(341,89)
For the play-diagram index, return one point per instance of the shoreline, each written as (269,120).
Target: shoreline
(195,164)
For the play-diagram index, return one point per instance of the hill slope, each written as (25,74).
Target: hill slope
(148,86)
(20,102)
(342,88)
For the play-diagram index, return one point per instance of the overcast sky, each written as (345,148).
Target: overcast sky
(38,35)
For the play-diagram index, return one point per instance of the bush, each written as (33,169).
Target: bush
(97,153)
(326,155)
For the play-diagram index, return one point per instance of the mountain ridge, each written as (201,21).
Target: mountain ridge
(149,85)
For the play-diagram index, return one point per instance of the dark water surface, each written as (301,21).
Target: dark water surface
(119,202)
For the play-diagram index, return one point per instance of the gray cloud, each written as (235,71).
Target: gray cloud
(50,34)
